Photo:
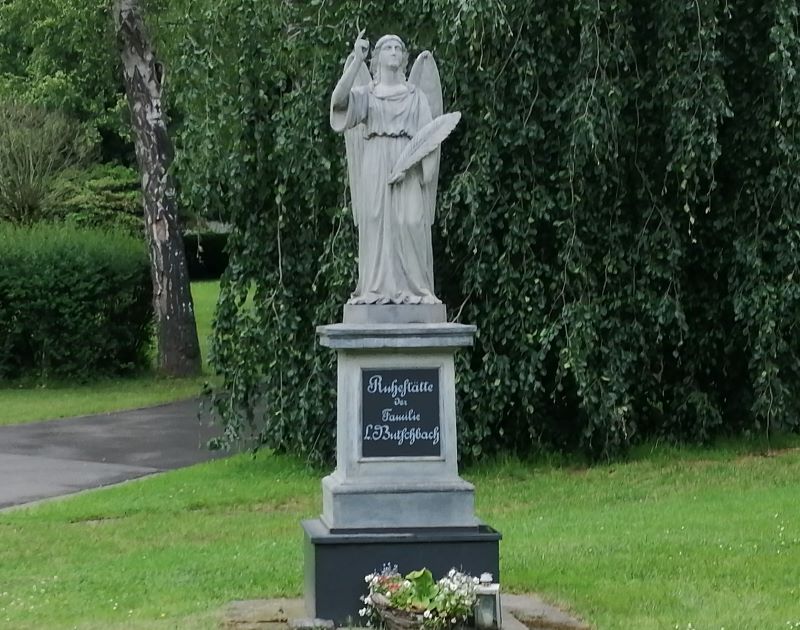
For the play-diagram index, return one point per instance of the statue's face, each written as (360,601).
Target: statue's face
(391,55)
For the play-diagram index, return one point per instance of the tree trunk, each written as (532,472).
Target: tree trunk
(178,348)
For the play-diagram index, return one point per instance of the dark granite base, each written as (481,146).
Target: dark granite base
(335,563)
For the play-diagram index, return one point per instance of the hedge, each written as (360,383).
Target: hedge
(72,303)
(101,196)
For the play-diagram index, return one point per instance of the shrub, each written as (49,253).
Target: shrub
(106,196)
(36,146)
(72,303)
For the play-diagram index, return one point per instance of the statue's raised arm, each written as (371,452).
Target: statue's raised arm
(355,75)
(393,129)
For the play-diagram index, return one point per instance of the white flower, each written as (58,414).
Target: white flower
(368,578)
(427,614)
(451,573)
(362,612)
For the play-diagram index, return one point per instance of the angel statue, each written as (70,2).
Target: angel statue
(393,129)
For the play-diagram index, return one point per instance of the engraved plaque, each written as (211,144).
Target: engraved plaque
(400,413)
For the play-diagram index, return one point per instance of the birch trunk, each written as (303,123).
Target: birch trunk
(178,348)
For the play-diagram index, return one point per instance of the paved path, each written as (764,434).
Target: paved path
(49,459)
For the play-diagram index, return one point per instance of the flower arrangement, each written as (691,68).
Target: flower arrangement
(417,601)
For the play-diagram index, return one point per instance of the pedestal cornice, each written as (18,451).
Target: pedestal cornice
(374,336)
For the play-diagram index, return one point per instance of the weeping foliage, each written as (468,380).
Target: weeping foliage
(618,212)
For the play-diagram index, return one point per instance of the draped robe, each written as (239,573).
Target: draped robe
(395,257)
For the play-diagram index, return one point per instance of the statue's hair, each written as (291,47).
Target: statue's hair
(374,64)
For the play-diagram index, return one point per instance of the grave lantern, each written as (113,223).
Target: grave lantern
(488,615)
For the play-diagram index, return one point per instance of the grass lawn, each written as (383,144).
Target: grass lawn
(64,400)
(691,539)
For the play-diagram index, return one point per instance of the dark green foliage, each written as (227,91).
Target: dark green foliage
(618,212)
(106,196)
(205,254)
(63,56)
(72,303)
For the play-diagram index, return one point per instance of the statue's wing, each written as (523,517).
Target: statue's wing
(425,76)
(354,143)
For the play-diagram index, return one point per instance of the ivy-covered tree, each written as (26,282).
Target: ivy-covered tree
(618,212)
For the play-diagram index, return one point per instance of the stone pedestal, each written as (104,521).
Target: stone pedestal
(395,496)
